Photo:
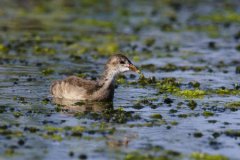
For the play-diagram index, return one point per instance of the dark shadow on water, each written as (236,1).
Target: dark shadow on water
(98,111)
(74,106)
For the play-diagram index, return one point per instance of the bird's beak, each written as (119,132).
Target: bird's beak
(133,68)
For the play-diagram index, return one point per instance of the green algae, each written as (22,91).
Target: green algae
(170,85)
(183,115)
(17,114)
(233,105)
(213,31)
(111,116)
(11,133)
(43,50)
(172,67)
(197,134)
(9,152)
(149,41)
(52,129)
(207,114)
(47,71)
(173,86)
(156,116)
(192,104)
(75,128)
(232,133)
(96,23)
(194,84)
(174,123)
(121,80)
(108,48)
(54,137)
(150,67)
(225,91)
(205,156)
(222,17)
(167,155)
(3,48)
(146,81)
(192,93)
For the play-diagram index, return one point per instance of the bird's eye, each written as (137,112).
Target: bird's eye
(122,62)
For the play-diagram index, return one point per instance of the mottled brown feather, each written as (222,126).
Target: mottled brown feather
(101,90)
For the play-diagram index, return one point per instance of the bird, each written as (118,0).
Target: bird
(102,89)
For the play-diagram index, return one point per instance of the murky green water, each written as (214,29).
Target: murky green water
(186,107)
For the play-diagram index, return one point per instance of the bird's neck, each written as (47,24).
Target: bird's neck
(107,79)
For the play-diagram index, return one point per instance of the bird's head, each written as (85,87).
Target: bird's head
(119,63)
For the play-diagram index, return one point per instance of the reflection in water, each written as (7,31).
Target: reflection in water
(74,106)
(116,140)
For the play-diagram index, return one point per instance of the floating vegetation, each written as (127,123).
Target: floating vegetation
(192,104)
(166,155)
(146,81)
(47,71)
(192,93)
(111,115)
(233,133)
(149,41)
(219,17)
(156,116)
(197,134)
(205,156)
(233,105)
(208,114)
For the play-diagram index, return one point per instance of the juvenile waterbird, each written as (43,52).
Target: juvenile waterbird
(76,88)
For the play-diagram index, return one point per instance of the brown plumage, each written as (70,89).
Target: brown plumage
(76,88)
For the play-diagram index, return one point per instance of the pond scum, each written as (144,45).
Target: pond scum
(184,105)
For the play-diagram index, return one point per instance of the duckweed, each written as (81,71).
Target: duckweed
(54,137)
(47,71)
(111,115)
(149,41)
(219,17)
(145,81)
(9,152)
(17,114)
(53,129)
(40,50)
(95,22)
(233,105)
(164,154)
(3,48)
(192,104)
(197,134)
(108,48)
(156,116)
(233,133)
(208,114)
(205,156)
(192,93)
(194,84)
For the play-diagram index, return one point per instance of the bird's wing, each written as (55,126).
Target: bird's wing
(73,88)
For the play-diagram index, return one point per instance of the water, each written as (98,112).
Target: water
(79,41)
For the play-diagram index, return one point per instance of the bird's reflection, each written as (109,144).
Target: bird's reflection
(73,106)
(117,140)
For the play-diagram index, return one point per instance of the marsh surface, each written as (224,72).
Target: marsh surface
(186,106)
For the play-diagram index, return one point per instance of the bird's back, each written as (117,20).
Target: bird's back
(73,88)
